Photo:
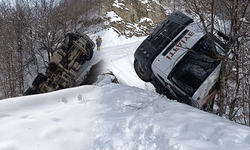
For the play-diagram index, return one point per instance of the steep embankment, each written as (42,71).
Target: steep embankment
(108,116)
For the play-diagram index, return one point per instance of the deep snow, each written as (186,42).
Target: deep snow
(109,116)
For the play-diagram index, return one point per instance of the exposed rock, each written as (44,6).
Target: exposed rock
(138,17)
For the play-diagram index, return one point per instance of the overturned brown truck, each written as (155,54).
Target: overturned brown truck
(76,49)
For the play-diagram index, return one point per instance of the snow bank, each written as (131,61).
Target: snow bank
(113,116)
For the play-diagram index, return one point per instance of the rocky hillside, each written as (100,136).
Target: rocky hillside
(133,17)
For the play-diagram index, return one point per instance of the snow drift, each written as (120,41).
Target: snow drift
(105,116)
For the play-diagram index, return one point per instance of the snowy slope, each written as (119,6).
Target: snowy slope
(108,116)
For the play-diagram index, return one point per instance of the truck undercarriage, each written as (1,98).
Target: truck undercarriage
(61,73)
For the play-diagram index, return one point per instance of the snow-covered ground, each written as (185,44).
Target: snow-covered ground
(109,116)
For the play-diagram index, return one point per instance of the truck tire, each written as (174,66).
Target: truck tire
(69,39)
(40,79)
(90,53)
(30,91)
(141,74)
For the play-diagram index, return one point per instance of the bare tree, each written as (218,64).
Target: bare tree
(31,32)
(13,30)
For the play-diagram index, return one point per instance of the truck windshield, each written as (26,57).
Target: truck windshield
(193,69)
(204,47)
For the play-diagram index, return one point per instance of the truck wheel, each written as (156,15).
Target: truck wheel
(90,53)
(69,39)
(30,91)
(141,74)
(40,79)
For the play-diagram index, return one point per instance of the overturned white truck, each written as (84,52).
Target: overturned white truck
(178,59)
(61,73)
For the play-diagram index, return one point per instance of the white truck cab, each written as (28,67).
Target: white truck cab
(178,59)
